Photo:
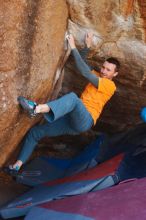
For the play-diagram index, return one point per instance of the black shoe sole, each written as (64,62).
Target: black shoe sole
(9,171)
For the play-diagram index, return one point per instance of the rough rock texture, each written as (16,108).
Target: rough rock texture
(32,49)
(32,43)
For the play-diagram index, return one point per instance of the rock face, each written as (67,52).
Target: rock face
(32,43)
(32,47)
(119,31)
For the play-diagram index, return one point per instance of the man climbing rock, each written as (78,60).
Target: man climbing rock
(70,114)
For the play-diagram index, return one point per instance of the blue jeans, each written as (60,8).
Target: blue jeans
(68,115)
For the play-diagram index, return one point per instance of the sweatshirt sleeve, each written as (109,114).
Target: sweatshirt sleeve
(84,69)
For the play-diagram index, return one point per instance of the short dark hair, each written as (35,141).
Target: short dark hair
(113,60)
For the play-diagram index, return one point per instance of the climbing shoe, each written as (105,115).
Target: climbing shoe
(28,105)
(11,171)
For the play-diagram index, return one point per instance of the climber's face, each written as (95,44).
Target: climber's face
(108,70)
